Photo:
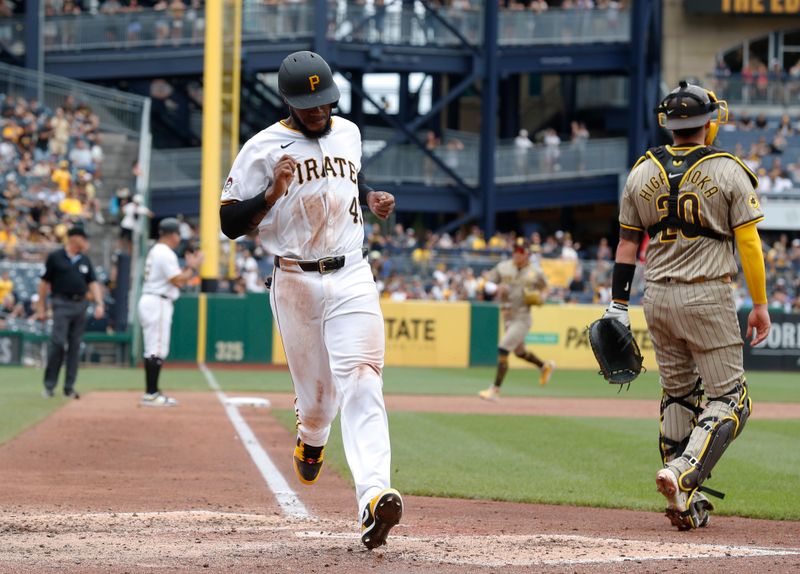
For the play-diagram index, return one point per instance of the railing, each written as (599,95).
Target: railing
(175,168)
(396,23)
(408,164)
(783,91)
(792,195)
(602,91)
(118,111)
(585,159)
(564,27)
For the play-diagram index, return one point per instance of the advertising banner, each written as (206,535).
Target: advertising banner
(781,350)
(559,333)
(418,334)
(10,348)
(744,7)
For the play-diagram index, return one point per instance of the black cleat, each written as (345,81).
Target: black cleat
(381,515)
(308,461)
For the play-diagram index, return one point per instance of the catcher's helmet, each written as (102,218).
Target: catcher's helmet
(690,106)
(305,81)
(168,225)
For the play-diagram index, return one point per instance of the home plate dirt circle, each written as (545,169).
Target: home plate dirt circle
(184,540)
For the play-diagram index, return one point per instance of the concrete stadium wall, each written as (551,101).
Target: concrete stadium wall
(691,42)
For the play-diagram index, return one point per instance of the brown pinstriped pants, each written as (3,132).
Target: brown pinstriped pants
(695,332)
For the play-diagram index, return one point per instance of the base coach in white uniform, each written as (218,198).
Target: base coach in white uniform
(162,278)
(297,183)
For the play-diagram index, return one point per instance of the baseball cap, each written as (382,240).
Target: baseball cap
(77,230)
(169,225)
(520,245)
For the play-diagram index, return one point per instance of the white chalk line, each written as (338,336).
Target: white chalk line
(543,543)
(287,499)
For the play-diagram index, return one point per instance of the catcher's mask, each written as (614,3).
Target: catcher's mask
(305,81)
(690,106)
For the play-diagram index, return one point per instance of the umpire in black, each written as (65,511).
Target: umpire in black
(68,275)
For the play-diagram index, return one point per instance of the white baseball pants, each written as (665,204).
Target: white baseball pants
(155,316)
(332,331)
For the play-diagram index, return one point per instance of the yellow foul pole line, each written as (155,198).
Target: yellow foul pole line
(235,94)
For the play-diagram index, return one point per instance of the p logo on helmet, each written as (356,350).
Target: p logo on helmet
(690,106)
(305,81)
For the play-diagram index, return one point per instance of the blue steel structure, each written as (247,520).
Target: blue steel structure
(491,63)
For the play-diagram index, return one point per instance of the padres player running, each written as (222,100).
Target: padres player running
(162,278)
(297,182)
(693,200)
(519,287)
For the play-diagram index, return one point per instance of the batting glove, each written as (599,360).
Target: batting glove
(618,311)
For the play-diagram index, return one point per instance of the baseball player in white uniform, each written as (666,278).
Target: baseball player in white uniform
(297,182)
(162,278)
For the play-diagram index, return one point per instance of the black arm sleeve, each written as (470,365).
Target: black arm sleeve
(363,189)
(621,279)
(242,217)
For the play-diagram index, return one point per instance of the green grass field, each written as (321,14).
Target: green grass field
(561,460)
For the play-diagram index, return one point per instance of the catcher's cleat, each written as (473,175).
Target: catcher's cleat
(547,372)
(157,400)
(685,510)
(490,394)
(308,461)
(379,516)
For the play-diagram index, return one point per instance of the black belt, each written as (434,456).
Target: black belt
(723,279)
(156,295)
(323,266)
(70,296)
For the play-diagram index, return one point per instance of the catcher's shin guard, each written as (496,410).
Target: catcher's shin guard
(722,421)
(678,419)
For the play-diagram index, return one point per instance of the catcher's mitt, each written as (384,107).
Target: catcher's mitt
(616,351)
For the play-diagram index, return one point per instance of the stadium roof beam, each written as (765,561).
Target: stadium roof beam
(557,193)
(566,59)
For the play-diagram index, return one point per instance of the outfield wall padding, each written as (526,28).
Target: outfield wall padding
(239,329)
(484,331)
(183,338)
(418,334)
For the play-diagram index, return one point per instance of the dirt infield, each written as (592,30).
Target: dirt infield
(104,486)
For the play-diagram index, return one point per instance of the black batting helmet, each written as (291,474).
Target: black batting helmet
(305,81)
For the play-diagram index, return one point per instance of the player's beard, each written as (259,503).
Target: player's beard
(307,132)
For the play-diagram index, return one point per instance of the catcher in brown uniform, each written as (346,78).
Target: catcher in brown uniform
(693,201)
(519,286)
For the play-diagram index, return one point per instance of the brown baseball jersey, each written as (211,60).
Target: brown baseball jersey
(718,192)
(516,313)
(518,281)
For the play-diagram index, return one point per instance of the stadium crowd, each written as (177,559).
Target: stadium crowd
(51,166)
(408,265)
(129,23)
(769,146)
